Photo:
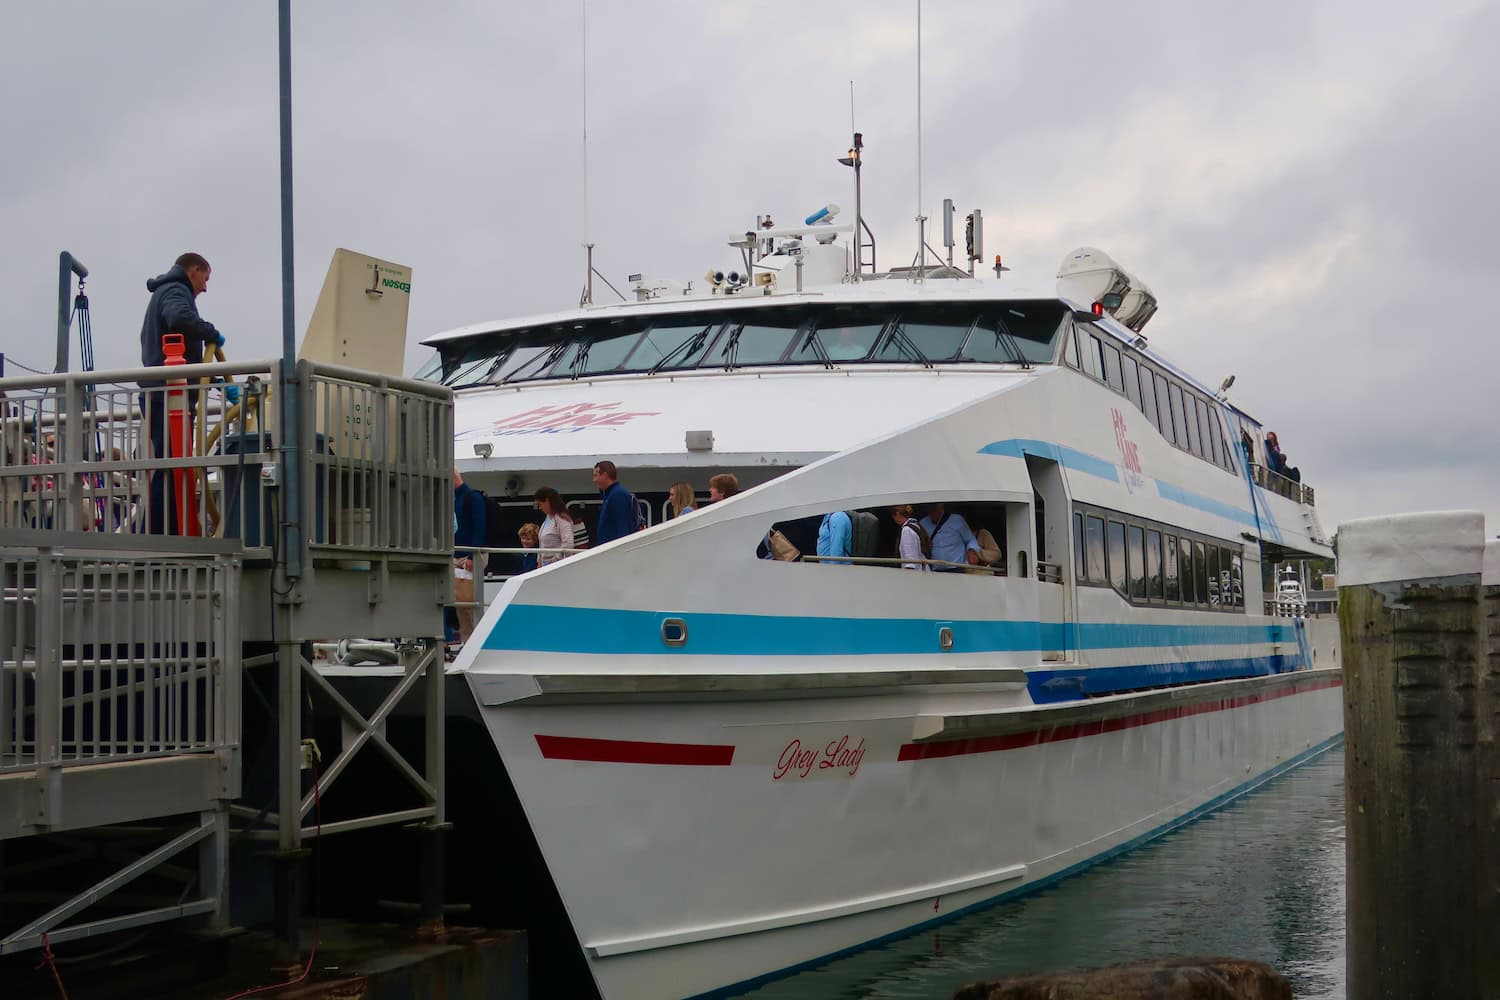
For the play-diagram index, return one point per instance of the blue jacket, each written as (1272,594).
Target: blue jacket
(172,310)
(468,508)
(835,535)
(616,514)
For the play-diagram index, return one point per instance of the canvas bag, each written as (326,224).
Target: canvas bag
(781,547)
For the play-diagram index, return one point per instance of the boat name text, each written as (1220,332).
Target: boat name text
(1130,456)
(565,419)
(797,761)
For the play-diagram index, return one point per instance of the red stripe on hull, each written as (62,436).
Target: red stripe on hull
(1014,741)
(634,751)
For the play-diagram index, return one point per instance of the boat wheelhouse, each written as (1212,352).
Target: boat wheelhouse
(735,765)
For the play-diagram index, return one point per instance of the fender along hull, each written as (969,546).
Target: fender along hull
(709,834)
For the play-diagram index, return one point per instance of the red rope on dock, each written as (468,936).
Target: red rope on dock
(49,961)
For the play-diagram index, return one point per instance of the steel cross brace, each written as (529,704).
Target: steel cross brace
(369,729)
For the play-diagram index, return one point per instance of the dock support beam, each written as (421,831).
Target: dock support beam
(1422,766)
(433,869)
(289,854)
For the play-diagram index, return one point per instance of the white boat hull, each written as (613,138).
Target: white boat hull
(705,838)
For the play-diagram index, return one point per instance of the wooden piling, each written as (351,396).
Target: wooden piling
(1422,794)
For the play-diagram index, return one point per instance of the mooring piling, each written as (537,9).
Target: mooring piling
(1418,627)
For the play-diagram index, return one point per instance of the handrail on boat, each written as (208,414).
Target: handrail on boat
(938,565)
(1282,486)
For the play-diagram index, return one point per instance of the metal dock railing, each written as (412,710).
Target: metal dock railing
(123,644)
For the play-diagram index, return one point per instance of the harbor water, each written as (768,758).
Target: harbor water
(1262,878)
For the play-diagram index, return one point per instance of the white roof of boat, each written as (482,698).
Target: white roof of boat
(1009,288)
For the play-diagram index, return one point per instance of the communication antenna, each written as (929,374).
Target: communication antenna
(587,298)
(919,264)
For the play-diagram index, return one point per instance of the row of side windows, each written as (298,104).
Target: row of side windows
(1182,416)
(1150,563)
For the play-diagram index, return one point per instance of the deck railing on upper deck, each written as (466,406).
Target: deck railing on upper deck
(1281,485)
(77,455)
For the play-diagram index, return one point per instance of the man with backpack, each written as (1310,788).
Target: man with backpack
(952,541)
(835,537)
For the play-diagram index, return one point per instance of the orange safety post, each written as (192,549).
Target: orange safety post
(179,442)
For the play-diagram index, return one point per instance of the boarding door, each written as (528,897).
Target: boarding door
(1047,528)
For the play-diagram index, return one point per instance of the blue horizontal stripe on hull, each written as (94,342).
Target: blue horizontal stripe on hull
(611,631)
(1068,458)
(1093,465)
(1051,686)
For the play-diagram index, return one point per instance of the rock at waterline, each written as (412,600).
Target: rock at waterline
(1164,979)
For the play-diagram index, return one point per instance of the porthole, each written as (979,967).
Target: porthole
(674,632)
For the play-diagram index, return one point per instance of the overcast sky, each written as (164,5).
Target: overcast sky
(1310,188)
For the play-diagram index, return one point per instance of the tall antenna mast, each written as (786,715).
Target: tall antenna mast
(920,263)
(583,32)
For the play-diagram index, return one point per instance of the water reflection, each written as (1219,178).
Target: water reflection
(1262,878)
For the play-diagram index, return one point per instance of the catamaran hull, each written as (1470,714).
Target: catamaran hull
(705,841)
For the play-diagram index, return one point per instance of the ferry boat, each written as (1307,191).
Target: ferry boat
(736,766)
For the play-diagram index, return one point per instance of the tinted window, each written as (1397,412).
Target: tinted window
(1112,368)
(1237,579)
(1153,565)
(1135,537)
(603,352)
(1148,397)
(1070,349)
(468,365)
(1115,542)
(1194,445)
(1185,566)
(1184,434)
(1200,572)
(1091,347)
(761,341)
(1212,552)
(933,335)
(1211,432)
(1033,328)
(1174,592)
(1132,380)
(1200,414)
(683,340)
(1165,409)
(529,359)
(987,346)
(1226,457)
(845,334)
(1078,567)
(1095,541)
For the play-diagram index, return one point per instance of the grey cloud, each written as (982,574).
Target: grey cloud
(447,138)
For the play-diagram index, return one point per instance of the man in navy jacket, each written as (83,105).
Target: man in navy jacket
(172,310)
(617,513)
(470,526)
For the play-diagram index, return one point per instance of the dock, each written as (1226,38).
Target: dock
(158,691)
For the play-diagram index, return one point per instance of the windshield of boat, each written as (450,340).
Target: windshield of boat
(826,334)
